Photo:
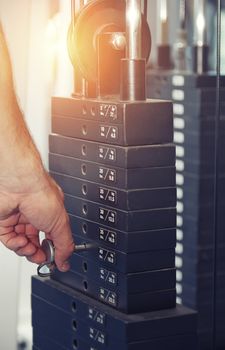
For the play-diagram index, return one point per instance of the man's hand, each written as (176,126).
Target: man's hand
(30,201)
(24,213)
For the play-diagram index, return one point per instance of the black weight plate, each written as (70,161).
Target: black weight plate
(131,328)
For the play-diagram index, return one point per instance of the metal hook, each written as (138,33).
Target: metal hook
(49,250)
(49,266)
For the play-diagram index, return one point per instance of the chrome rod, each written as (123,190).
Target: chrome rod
(133,29)
(200,22)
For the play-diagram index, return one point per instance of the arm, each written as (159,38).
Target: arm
(30,201)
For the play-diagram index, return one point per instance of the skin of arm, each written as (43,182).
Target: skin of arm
(30,200)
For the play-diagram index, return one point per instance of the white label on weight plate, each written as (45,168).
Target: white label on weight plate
(96,335)
(107,195)
(108,111)
(107,153)
(96,316)
(107,236)
(108,216)
(109,132)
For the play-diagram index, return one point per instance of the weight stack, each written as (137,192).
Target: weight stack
(194,100)
(64,318)
(115,163)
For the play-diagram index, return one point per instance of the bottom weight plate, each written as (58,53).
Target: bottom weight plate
(137,327)
(71,342)
(44,316)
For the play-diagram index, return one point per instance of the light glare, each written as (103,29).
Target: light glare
(163,11)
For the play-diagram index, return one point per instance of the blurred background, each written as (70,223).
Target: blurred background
(36,33)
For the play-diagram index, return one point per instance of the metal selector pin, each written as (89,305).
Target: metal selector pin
(47,267)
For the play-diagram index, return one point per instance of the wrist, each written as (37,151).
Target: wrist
(23,174)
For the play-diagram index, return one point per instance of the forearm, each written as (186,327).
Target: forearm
(18,155)
(20,163)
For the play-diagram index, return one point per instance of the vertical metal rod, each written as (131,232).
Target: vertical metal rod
(133,79)
(133,29)
(216,167)
(200,22)
(163,26)
(182,14)
(200,38)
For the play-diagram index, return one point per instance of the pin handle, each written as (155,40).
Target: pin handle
(49,250)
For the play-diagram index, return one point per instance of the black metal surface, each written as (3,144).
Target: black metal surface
(139,241)
(137,123)
(217,174)
(133,86)
(185,342)
(164,61)
(164,323)
(127,303)
(124,179)
(128,262)
(122,157)
(133,200)
(200,59)
(90,334)
(129,221)
(123,284)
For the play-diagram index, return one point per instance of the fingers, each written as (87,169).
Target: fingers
(62,239)
(13,241)
(44,210)
(38,257)
(21,238)
(24,247)
(28,250)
